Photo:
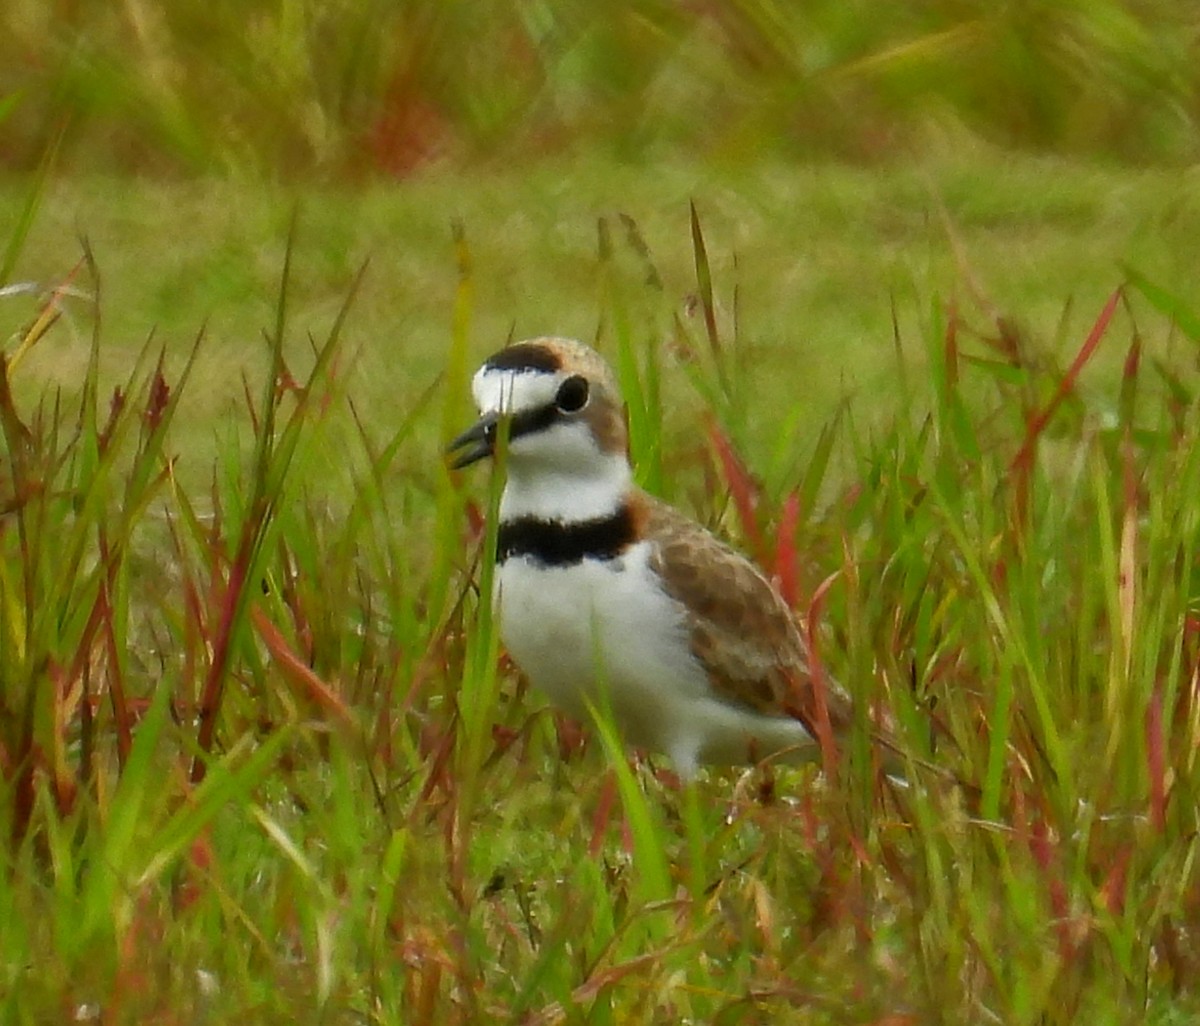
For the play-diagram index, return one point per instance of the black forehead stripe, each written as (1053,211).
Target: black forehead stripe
(554,543)
(525,356)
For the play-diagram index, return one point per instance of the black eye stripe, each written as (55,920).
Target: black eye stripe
(528,422)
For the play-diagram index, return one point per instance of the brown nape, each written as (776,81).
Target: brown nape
(606,419)
(641,512)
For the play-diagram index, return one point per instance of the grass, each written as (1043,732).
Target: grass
(335,90)
(820,252)
(261,760)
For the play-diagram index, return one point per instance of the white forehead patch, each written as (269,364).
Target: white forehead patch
(507,391)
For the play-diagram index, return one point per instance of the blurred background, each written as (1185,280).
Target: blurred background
(347,89)
(854,164)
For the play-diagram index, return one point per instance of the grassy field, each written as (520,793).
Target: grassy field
(823,254)
(262,758)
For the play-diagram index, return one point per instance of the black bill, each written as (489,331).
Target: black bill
(478,442)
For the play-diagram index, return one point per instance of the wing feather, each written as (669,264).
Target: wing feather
(742,631)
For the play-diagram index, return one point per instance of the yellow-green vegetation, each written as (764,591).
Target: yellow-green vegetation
(261,762)
(923,347)
(380,87)
(818,256)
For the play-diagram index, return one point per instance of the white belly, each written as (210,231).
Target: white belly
(601,632)
(604,634)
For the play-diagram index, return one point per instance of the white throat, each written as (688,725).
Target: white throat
(566,495)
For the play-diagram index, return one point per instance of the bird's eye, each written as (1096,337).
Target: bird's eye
(572,394)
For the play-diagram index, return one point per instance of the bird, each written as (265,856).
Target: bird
(613,601)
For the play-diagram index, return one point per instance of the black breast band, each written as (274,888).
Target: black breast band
(554,543)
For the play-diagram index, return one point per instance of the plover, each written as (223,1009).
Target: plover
(610,599)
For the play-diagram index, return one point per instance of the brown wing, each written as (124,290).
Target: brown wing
(742,631)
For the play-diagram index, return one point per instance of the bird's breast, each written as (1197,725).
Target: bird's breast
(598,630)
